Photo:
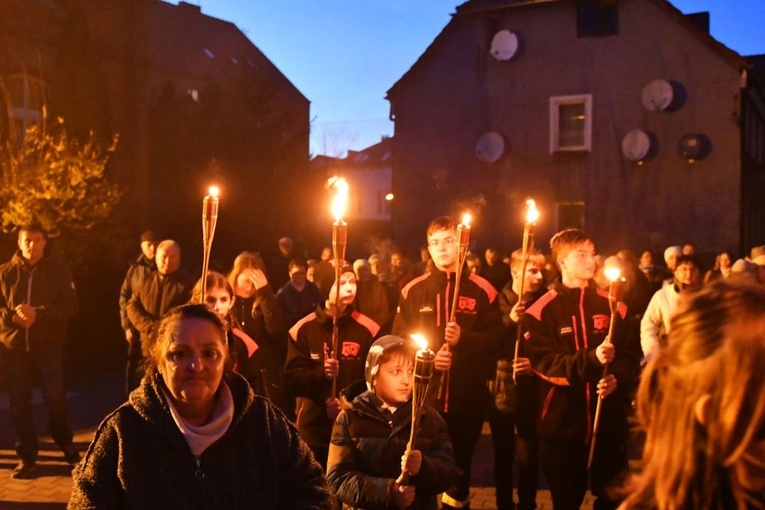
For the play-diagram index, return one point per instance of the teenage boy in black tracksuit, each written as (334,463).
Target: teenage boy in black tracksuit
(564,338)
(472,340)
(309,370)
(513,415)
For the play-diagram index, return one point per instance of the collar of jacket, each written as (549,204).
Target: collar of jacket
(442,276)
(149,403)
(20,261)
(325,319)
(369,405)
(178,276)
(573,292)
(146,262)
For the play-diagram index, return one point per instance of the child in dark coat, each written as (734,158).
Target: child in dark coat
(369,439)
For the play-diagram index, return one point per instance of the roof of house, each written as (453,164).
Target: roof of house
(377,155)
(184,41)
(485,6)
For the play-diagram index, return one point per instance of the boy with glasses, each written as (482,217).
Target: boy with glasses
(472,339)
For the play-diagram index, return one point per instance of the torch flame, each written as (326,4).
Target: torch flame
(340,200)
(613,273)
(466,219)
(420,340)
(213,191)
(532,213)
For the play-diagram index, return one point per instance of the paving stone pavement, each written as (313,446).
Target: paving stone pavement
(87,406)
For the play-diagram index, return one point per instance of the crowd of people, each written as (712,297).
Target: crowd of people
(287,383)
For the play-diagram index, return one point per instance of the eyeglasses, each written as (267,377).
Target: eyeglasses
(448,241)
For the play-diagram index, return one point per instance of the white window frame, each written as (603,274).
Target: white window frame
(555,103)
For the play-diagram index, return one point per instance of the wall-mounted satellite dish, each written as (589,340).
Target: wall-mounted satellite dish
(657,96)
(636,145)
(504,45)
(694,147)
(490,147)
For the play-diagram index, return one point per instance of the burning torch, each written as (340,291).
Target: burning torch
(615,296)
(339,242)
(463,235)
(423,372)
(209,221)
(532,215)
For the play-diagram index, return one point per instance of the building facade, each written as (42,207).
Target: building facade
(623,118)
(192,100)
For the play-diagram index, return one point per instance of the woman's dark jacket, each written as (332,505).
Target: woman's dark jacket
(365,454)
(139,459)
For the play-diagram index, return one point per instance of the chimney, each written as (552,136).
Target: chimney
(190,8)
(700,19)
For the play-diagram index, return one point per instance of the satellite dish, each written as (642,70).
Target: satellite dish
(636,144)
(657,96)
(490,147)
(504,45)
(694,147)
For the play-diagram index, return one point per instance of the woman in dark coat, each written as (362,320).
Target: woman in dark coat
(194,435)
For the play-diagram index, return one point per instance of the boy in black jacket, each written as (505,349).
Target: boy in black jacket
(565,332)
(369,439)
(310,368)
(513,417)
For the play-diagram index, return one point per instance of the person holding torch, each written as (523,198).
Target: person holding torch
(465,335)
(513,417)
(370,438)
(313,368)
(565,337)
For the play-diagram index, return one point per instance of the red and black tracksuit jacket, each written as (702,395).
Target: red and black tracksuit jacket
(310,343)
(424,308)
(562,329)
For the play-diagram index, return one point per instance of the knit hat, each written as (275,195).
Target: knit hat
(677,250)
(151,236)
(380,345)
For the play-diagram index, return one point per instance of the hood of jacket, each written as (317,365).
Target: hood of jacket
(149,402)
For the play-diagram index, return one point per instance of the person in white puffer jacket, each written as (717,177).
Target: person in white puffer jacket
(655,324)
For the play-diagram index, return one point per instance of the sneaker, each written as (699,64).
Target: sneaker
(71,455)
(24,471)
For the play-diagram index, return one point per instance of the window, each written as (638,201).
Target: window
(28,97)
(570,215)
(571,123)
(597,18)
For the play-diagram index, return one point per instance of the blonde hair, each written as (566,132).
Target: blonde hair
(716,349)
(245,260)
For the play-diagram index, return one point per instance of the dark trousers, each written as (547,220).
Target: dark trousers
(20,369)
(524,449)
(464,432)
(564,464)
(134,369)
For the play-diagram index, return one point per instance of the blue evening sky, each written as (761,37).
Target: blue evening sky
(344,55)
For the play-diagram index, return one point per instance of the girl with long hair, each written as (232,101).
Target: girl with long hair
(702,403)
